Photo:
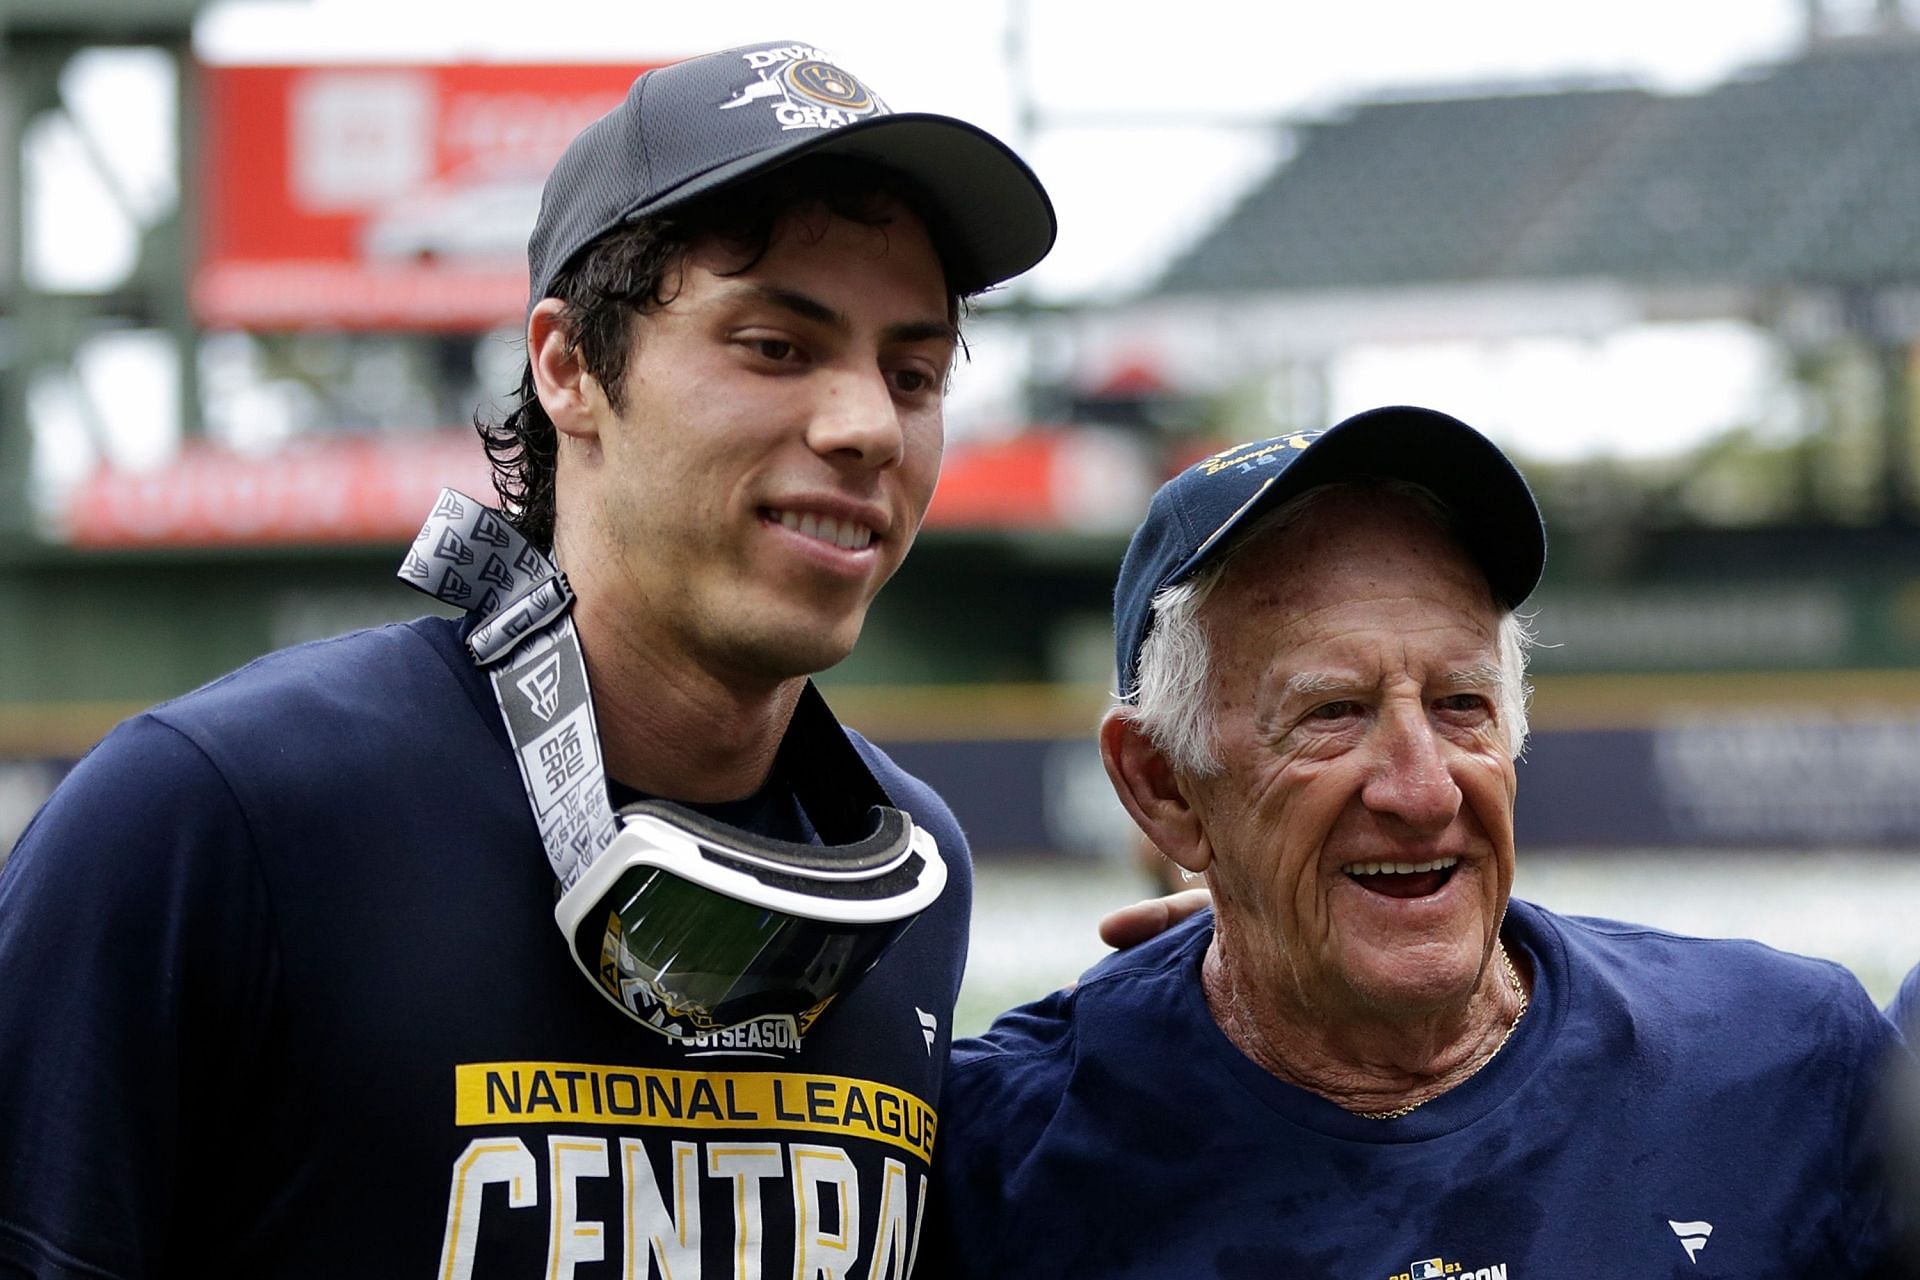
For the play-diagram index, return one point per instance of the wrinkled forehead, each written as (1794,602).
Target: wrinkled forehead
(1354,546)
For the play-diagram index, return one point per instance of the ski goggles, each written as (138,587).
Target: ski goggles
(692,926)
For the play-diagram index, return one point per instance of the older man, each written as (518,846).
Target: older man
(1366,1062)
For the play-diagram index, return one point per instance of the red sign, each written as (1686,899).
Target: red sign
(379,489)
(376,489)
(1043,478)
(381,197)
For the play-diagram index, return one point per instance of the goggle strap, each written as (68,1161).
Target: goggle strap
(885,844)
(470,556)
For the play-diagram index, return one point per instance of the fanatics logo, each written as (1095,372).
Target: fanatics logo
(1693,1236)
(929,1026)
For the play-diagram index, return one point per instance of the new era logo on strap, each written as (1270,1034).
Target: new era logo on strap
(452,548)
(496,572)
(1693,1235)
(492,530)
(542,687)
(530,561)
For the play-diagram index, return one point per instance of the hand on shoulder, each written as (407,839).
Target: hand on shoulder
(1132,925)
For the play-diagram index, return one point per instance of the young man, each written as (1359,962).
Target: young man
(284,993)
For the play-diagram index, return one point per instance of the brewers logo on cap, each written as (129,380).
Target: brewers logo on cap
(805,91)
(828,85)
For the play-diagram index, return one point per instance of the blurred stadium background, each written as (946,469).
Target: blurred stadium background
(327,273)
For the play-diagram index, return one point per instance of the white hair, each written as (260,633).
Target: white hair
(1171,705)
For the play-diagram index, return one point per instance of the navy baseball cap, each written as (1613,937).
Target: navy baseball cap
(1191,519)
(694,127)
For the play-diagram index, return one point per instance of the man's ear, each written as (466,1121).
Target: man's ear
(567,391)
(1145,781)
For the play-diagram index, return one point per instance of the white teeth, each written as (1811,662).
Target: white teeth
(848,535)
(1397,868)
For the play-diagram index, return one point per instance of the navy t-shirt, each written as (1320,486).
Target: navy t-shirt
(1668,1106)
(283,996)
(1905,1008)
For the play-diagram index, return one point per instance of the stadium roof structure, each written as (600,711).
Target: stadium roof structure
(1805,174)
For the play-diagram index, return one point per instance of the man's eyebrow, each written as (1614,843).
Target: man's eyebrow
(808,307)
(804,305)
(1312,684)
(1480,675)
(922,331)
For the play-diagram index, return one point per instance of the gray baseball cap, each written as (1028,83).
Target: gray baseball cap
(694,127)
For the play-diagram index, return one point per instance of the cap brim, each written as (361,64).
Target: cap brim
(993,205)
(1493,509)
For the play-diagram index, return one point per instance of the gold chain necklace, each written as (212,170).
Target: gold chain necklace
(1513,981)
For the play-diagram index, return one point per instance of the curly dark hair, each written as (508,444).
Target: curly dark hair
(628,272)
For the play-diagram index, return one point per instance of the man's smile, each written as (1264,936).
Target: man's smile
(848,535)
(1402,879)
